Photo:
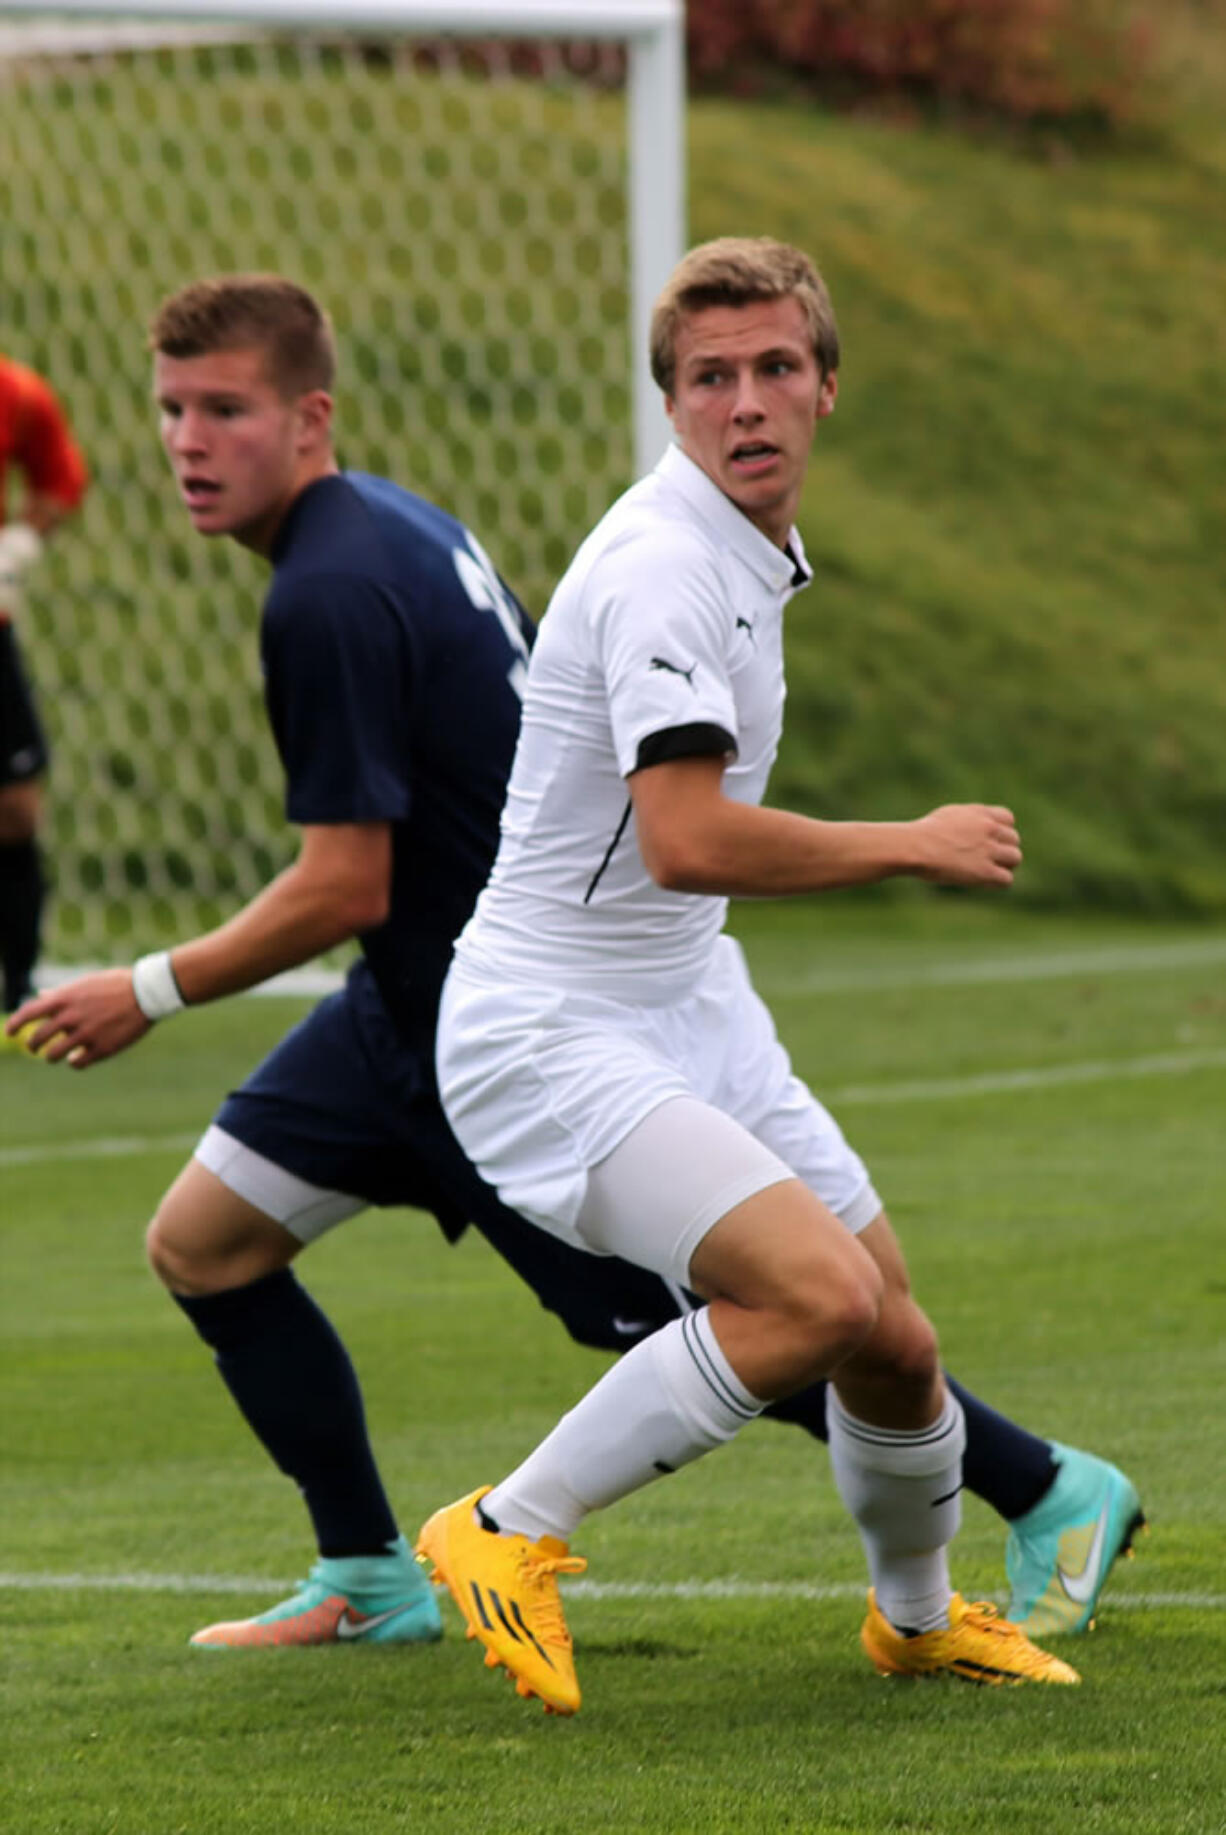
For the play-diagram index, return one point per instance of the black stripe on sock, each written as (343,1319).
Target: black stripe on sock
(707,1369)
(867,1435)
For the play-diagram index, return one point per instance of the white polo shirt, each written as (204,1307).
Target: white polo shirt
(663,639)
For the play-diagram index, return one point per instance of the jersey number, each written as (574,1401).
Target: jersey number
(480,581)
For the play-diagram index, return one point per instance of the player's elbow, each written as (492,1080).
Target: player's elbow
(677,862)
(349,905)
(364,907)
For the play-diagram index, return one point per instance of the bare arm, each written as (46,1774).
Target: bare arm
(340,884)
(693,838)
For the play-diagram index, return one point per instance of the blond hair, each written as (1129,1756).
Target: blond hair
(251,311)
(735,271)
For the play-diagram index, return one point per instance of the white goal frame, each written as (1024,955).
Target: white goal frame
(653,33)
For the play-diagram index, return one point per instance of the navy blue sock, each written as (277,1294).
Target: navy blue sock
(1004,1464)
(23,891)
(1009,1468)
(291,1376)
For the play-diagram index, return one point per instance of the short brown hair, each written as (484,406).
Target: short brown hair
(735,271)
(251,311)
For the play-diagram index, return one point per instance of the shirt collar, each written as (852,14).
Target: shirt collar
(781,568)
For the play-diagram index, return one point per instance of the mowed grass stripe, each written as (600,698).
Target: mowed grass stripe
(1063,965)
(925,1089)
(313,983)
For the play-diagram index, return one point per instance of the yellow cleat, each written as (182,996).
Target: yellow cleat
(977,1645)
(507,1589)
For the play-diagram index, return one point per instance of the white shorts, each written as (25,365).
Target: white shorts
(542,1085)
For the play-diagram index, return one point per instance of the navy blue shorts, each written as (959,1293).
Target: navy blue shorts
(346,1103)
(23,744)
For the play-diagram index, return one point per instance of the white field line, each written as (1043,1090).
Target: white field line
(112,1147)
(992,1083)
(932,1089)
(598,1590)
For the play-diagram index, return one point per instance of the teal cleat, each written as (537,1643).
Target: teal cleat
(362,1599)
(1059,1554)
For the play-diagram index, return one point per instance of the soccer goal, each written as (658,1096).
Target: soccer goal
(486,196)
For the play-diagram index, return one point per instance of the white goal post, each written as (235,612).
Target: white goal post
(487,196)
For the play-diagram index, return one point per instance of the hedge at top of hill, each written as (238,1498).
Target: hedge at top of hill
(1082,61)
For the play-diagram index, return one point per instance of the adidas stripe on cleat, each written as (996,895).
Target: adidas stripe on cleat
(1058,1555)
(976,1646)
(362,1599)
(506,1588)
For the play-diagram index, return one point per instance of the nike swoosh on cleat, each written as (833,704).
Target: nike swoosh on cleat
(348,1627)
(1080,1587)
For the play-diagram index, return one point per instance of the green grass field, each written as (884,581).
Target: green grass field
(1041,1102)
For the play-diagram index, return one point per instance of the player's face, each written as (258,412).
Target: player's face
(746,400)
(239,450)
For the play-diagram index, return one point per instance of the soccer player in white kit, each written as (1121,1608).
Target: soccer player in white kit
(605,1061)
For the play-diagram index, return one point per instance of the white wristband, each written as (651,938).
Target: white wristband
(154,988)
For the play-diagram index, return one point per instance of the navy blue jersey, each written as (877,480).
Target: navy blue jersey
(393,656)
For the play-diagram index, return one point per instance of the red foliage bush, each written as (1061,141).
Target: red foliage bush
(1024,59)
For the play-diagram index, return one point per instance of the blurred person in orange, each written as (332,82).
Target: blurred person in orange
(37,441)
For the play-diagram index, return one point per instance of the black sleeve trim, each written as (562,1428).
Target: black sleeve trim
(701,739)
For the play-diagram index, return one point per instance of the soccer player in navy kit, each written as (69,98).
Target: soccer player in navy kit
(393,657)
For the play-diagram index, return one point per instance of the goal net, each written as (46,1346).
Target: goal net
(460,205)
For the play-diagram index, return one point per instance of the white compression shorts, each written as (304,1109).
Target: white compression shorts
(306,1211)
(541,1086)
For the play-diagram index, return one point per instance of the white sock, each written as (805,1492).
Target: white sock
(665,1403)
(905,1492)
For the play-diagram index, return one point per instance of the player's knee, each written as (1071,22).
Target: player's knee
(894,1377)
(164,1254)
(850,1305)
(203,1240)
(910,1358)
(830,1313)
(182,1259)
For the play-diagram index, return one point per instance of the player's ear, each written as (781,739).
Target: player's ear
(315,416)
(827,394)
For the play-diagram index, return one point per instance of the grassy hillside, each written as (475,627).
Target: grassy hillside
(1018,510)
